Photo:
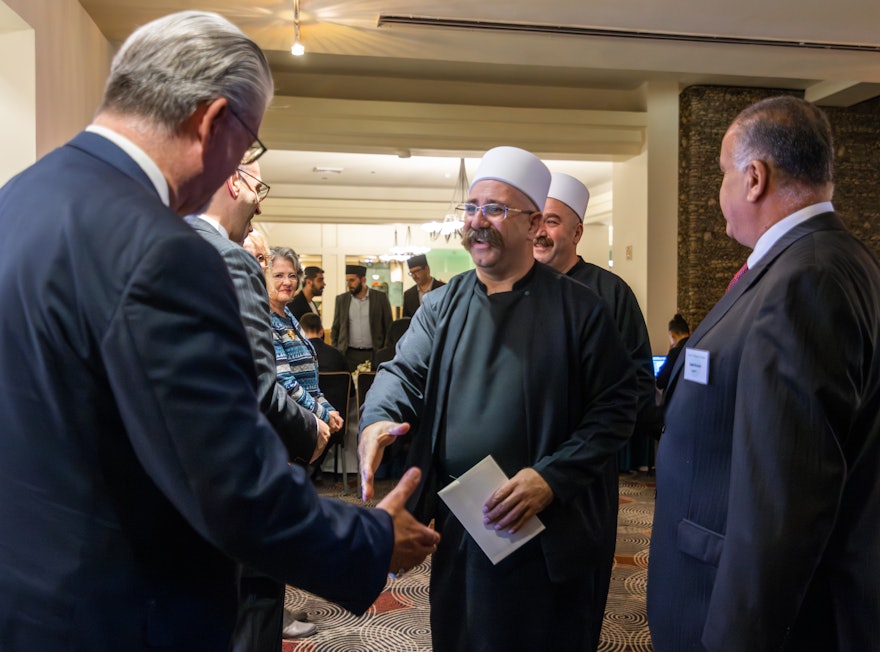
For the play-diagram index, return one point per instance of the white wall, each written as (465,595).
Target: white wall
(72,60)
(18,125)
(662,216)
(630,250)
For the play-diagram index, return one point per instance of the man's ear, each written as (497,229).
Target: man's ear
(578,232)
(232,184)
(757,177)
(209,115)
(535,221)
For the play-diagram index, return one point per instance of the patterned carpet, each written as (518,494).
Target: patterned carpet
(398,620)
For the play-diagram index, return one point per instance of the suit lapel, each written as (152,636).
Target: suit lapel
(822,222)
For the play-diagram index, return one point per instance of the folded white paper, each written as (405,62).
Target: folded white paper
(465,498)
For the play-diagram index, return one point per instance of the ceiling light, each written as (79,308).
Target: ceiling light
(452,223)
(298,48)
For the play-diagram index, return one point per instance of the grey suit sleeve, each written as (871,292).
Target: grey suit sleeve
(296,426)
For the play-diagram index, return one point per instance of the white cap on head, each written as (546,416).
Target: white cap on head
(571,192)
(518,168)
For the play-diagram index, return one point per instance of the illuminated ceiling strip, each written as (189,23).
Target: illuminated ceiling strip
(563,30)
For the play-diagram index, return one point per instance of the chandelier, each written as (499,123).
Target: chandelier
(451,224)
(402,253)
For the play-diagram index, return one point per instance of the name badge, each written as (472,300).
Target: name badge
(696,366)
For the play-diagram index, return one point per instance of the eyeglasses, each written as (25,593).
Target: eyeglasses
(495,212)
(280,276)
(261,190)
(257,148)
(416,270)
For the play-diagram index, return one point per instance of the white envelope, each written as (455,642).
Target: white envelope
(465,497)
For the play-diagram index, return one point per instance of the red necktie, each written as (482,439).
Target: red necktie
(742,270)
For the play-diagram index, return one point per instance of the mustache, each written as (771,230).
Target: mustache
(543,241)
(482,234)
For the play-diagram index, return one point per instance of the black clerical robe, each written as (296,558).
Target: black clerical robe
(579,408)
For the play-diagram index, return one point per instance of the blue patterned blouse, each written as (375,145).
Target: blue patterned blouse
(296,364)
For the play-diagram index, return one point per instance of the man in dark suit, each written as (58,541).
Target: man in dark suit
(313,286)
(420,272)
(137,470)
(768,473)
(361,319)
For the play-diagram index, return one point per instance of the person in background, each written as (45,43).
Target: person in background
(313,286)
(679,332)
(137,470)
(555,245)
(515,361)
(420,272)
(329,358)
(224,224)
(361,319)
(296,362)
(766,529)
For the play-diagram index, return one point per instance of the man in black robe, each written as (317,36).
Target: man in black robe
(520,362)
(556,246)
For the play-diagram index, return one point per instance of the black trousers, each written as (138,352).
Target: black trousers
(357,356)
(260,614)
(481,607)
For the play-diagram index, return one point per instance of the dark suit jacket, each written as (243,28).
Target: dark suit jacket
(329,358)
(768,488)
(380,319)
(299,305)
(411,298)
(294,424)
(136,468)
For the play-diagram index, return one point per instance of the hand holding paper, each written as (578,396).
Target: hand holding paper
(523,496)
(467,496)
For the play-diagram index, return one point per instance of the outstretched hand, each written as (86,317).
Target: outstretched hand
(374,438)
(412,540)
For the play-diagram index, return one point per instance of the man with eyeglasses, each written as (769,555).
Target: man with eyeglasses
(137,472)
(515,361)
(225,224)
(420,272)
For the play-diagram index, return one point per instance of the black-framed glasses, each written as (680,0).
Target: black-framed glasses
(495,212)
(416,270)
(257,148)
(261,189)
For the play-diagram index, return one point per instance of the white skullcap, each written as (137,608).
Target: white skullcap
(571,192)
(518,168)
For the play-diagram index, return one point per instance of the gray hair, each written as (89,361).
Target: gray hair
(290,255)
(167,67)
(791,134)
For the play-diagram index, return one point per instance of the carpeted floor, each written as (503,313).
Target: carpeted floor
(398,620)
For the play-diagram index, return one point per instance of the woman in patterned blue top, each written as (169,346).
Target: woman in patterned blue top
(295,358)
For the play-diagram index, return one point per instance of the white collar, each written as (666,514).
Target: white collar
(217,226)
(139,156)
(783,226)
